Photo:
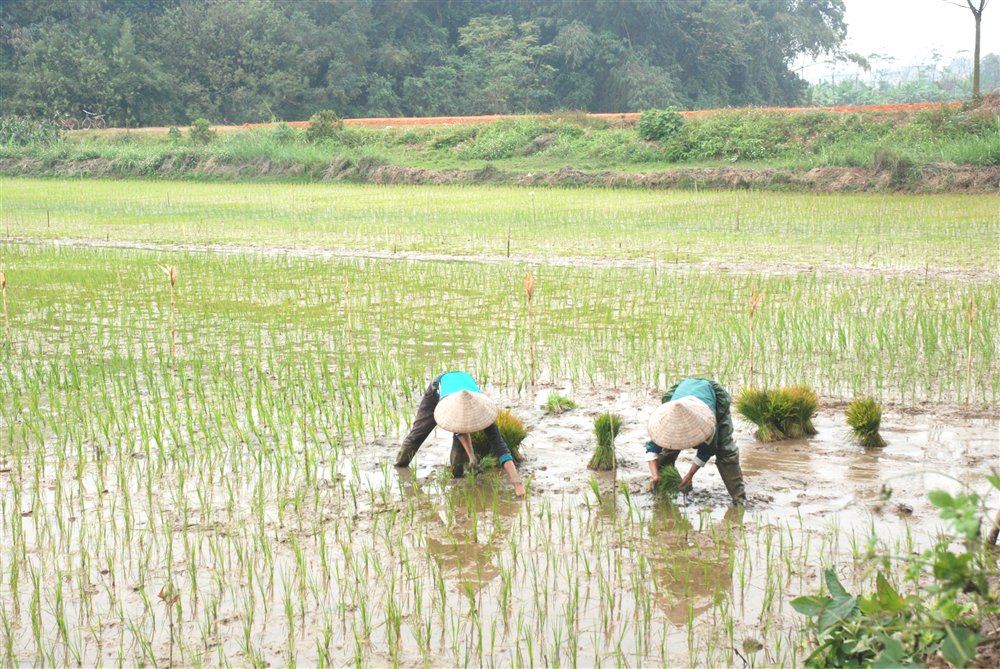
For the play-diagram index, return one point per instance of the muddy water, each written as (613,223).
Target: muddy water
(367,564)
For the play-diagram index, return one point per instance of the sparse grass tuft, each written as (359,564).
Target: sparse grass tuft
(557,404)
(606,428)
(865,416)
(783,413)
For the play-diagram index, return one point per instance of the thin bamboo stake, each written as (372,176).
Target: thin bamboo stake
(755,301)
(529,286)
(968,378)
(3,288)
(171,272)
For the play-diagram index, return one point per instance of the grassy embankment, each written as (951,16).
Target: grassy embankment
(904,148)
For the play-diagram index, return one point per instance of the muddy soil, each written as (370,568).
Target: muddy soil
(819,477)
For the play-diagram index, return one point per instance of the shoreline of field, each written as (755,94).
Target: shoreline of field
(924,179)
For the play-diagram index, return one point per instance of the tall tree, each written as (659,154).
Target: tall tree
(977,7)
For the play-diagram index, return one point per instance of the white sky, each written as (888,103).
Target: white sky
(911,29)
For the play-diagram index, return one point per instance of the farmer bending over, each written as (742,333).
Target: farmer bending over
(695,414)
(454,402)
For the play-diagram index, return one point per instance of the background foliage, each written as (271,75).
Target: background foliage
(165,62)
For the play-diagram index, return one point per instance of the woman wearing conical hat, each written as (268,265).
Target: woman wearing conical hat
(695,414)
(454,402)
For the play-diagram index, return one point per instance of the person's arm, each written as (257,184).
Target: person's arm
(514,478)
(467,444)
(686,482)
(652,451)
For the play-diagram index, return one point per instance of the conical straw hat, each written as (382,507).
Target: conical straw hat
(683,423)
(466,412)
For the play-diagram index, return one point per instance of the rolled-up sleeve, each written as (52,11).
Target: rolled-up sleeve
(652,451)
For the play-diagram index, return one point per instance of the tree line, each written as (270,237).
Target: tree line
(163,62)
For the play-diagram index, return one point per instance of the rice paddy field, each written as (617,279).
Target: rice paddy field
(200,474)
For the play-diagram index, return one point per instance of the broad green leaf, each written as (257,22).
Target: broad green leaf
(893,648)
(940,499)
(887,595)
(810,606)
(959,646)
(837,591)
(843,604)
(994,480)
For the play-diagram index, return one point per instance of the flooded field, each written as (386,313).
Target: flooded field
(224,495)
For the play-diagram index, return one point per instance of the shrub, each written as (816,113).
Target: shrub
(784,413)
(513,432)
(657,125)
(283,133)
(557,404)
(323,125)
(864,416)
(174,134)
(201,132)
(606,428)
(21,131)
(949,608)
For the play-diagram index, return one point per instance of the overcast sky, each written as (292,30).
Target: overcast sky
(911,29)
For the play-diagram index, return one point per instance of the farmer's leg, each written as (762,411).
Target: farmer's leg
(459,458)
(423,425)
(666,458)
(728,463)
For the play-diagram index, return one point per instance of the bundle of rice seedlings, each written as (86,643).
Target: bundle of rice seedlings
(606,428)
(513,432)
(557,404)
(670,481)
(865,416)
(783,413)
(806,403)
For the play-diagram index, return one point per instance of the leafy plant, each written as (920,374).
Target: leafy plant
(556,404)
(864,417)
(606,428)
(657,125)
(174,134)
(950,599)
(513,432)
(201,131)
(21,131)
(323,125)
(283,133)
(783,413)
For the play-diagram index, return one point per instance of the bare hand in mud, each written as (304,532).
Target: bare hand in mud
(519,489)
(653,484)
(686,485)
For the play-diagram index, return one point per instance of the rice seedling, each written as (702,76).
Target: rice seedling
(968,378)
(670,482)
(782,413)
(512,430)
(864,416)
(529,288)
(556,404)
(606,428)
(3,291)
(755,302)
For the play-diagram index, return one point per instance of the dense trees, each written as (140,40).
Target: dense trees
(169,61)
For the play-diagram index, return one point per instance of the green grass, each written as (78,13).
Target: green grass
(753,138)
